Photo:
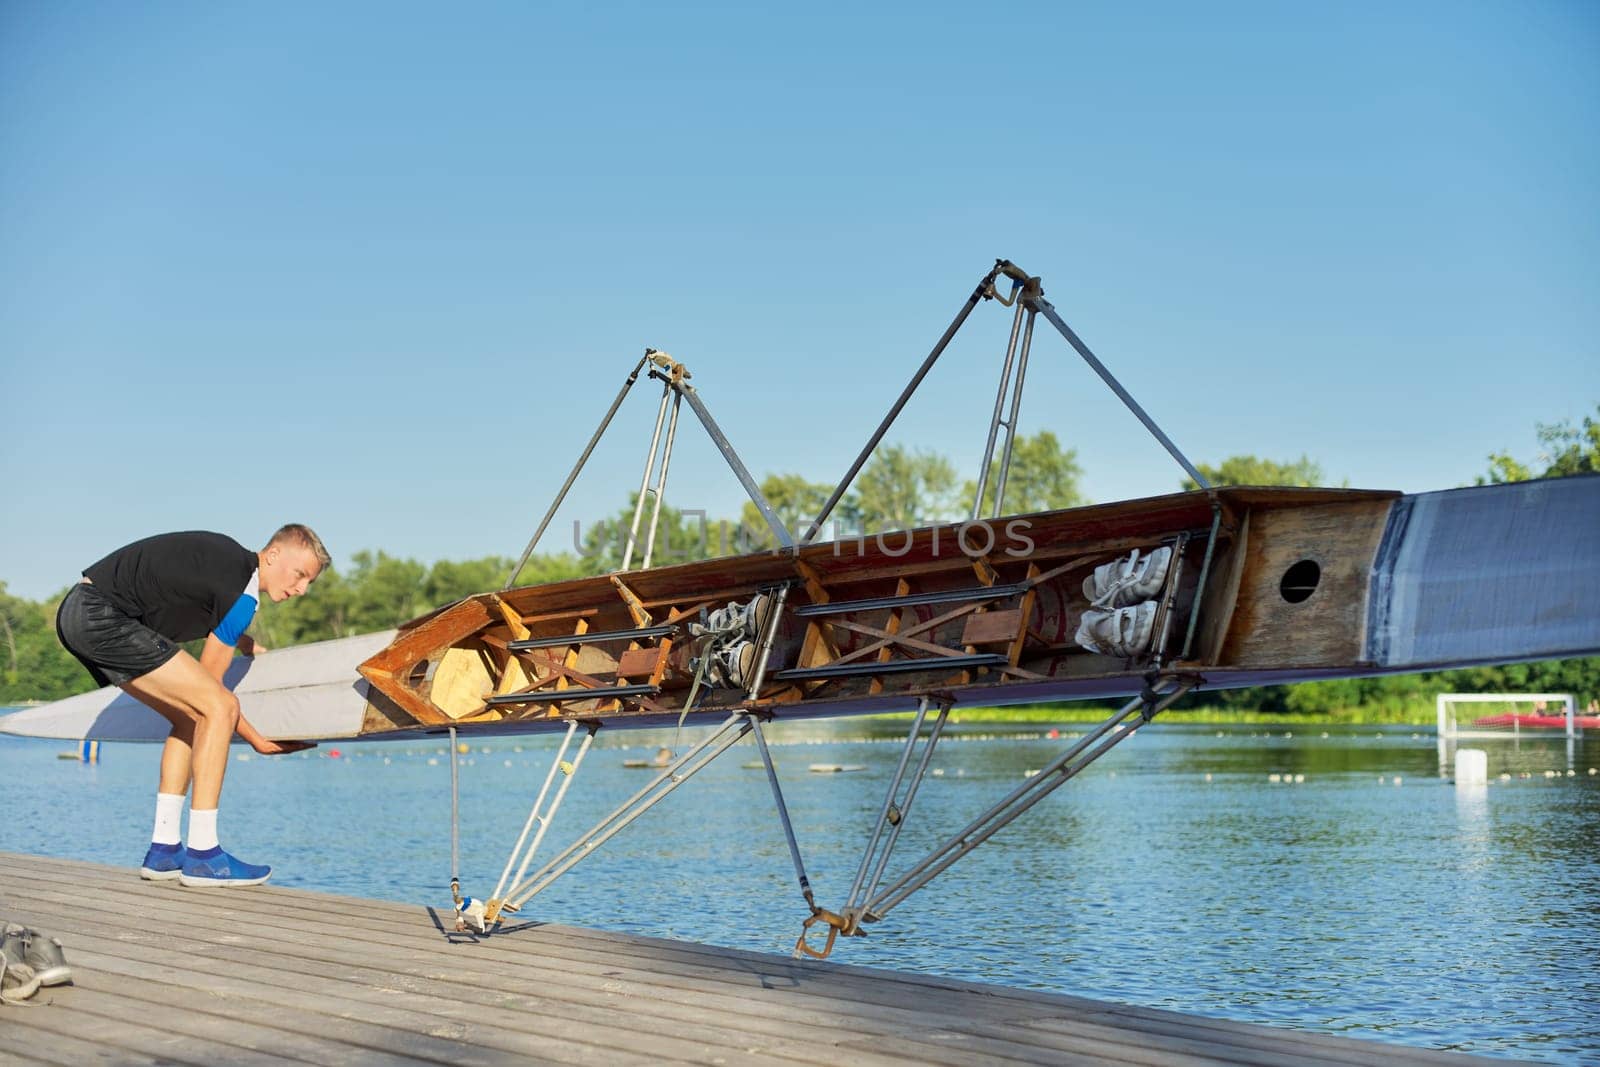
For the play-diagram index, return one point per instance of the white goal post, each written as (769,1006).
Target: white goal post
(1511,721)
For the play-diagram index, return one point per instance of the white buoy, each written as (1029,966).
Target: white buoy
(1472,766)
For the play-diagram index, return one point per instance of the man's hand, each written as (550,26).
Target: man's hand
(265,745)
(249,646)
(268,747)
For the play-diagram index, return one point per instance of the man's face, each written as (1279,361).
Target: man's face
(288,571)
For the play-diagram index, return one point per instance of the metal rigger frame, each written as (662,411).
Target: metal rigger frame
(676,389)
(869,899)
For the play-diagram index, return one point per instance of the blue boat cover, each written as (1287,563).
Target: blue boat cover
(1488,574)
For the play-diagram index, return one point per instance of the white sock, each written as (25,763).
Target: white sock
(169,819)
(202,829)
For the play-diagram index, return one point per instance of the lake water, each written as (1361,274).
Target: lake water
(1372,899)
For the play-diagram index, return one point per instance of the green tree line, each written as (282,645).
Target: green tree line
(898,488)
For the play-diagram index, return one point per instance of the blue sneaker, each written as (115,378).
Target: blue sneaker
(162,863)
(214,867)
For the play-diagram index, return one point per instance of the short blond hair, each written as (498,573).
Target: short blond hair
(295,533)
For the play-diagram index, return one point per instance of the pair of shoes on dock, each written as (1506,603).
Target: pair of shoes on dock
(29,960)
(1121,616)
(207,868)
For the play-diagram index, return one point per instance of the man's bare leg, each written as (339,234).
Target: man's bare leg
(204,715)
(164,859)
(183,686)
(178,751)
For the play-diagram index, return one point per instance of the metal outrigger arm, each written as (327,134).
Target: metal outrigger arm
(868,902)
(1027,295)
(674,377)
(676,389)
(526,887)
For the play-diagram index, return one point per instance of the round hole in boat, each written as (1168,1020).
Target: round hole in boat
(1300,580)
(419,673)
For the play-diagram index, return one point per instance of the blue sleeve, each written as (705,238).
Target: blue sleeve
(236,621)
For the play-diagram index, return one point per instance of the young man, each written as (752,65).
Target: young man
(124,622)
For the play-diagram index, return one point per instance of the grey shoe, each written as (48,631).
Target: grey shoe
(17,981)
(758,613)
(47,959)
(1125,582)
(14,944)
(1124,632)
(736,663)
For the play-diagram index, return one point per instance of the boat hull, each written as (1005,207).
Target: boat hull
(309,692)
(1488,574)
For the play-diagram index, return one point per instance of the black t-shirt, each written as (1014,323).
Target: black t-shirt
(181,585)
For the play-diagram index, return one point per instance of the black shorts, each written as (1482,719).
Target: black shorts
(115,648)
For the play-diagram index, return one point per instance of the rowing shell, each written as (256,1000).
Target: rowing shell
(1264,586)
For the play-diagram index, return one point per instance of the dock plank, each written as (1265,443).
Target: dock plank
(272,974)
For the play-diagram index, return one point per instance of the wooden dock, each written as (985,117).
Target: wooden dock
(268,975)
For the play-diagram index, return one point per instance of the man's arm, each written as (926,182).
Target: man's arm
(215,658)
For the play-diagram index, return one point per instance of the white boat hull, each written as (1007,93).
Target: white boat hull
(310,692)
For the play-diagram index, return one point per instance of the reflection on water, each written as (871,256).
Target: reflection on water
(1371,898)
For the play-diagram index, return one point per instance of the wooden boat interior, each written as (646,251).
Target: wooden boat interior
(1258,578)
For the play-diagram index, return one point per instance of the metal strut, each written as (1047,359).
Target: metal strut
(1045,308)
(675,386)
(522,561)
(874,859)
(538,815)
(676,389)
(868,903)
(644,479)
(1027,294)
(983,291)
(685,767)
(1010,421)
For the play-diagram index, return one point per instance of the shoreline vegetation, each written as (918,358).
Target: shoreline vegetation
(898,489)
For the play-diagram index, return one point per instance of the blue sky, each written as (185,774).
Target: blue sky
(381,267)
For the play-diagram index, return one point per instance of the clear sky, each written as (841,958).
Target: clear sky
(380,267)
